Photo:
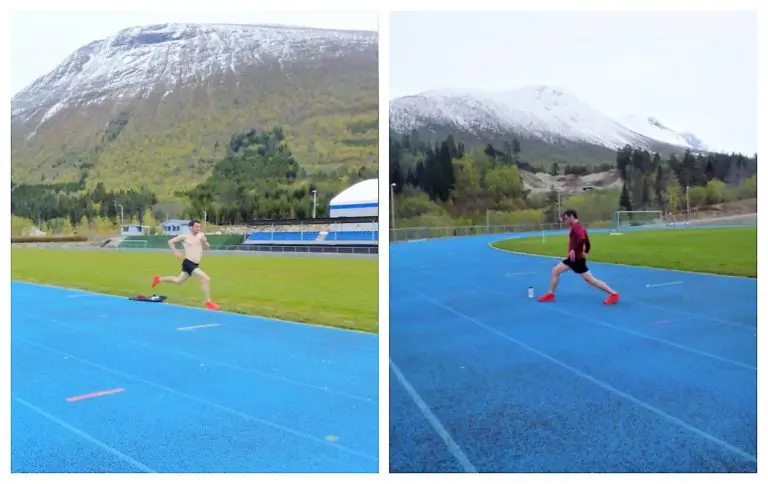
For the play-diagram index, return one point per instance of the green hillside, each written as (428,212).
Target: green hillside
(170,142)
(258,178)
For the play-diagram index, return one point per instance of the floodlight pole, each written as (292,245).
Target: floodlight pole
(205,219)
(122,217)
(687,202)
(314,203)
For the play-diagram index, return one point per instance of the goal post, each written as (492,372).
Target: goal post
(625,219)
(133,244)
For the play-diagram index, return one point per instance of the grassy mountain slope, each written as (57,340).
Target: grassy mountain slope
(328,109)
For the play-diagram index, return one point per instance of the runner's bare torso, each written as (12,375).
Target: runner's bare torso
(193,247)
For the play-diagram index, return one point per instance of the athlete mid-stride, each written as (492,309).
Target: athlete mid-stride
(193,242)
(578,248)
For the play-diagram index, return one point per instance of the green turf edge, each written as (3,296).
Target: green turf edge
(361,326)
(190,306)
(496,245)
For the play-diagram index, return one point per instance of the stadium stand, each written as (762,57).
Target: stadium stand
(353,223)
(351,228)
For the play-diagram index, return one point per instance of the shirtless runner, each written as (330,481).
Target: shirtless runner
(194,242)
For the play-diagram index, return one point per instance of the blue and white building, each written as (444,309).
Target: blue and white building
(175,227)
(359,200)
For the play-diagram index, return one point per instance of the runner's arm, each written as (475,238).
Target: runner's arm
(172,244)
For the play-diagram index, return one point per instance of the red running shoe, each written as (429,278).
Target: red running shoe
(612,299)
(548,297)
(155,281)
(212,305)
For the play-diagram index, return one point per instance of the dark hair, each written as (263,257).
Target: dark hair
(193,222)
(570,213)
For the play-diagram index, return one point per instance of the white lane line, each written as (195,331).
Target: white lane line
(192,328)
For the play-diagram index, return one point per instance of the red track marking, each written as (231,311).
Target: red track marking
(95,394)
(666,321)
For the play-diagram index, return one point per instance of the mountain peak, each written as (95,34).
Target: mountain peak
(138,61)
(549,113)
(166,98)
(540,111)
(652,128)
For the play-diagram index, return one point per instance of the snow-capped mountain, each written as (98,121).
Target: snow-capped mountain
(138,61)
(696,143)
(652,128)
(540,112)
(166,99)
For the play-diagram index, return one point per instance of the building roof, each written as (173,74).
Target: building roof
(364,192)
(175,221)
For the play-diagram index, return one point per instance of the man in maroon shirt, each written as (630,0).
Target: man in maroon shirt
(578,248)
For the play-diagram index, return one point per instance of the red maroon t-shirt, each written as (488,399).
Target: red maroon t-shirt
(578,240)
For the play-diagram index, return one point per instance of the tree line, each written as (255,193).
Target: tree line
(448,173)
(463,182)
(73,201)
(258,178)
(656,183)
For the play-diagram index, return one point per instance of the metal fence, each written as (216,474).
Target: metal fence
(741,220)
(422,233)
(285,249)
(700,219)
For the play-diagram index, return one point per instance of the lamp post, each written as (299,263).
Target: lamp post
(122,217)
(314,203)
(205,219)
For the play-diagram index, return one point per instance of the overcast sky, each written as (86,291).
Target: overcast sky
(693,71)
(40,41)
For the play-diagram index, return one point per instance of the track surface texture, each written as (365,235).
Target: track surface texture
(105,384)
(484,379)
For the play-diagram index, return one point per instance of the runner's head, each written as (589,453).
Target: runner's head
(194,226)
(570,217)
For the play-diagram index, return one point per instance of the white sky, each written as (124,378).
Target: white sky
(694,71)
(40,41)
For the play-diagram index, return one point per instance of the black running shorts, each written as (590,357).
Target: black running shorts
(188,266)
(579,266)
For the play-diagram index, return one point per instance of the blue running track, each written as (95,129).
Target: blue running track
(484,379)
(104,384)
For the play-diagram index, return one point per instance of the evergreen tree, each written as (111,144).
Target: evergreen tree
(625,202)
(516,149)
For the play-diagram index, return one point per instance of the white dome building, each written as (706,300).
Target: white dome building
(359,200)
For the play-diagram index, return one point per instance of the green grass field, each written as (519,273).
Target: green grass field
(326,291)
(730,251)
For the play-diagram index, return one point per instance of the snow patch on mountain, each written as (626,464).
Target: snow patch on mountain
(696,143)
(654,129)
(137,61)
(544,112)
